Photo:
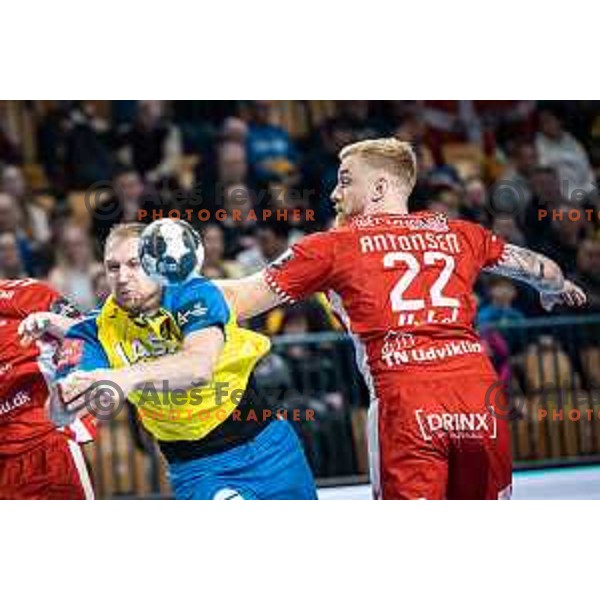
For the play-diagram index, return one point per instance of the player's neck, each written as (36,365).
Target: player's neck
(393,205)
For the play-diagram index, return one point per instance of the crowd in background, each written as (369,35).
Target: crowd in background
(70,170)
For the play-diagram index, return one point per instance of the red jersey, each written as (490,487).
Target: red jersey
(26,372)
(403,286)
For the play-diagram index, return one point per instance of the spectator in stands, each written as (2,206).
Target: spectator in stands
(546,196)
(73,274)
(557,148)
(232,165)
(522,164)
(33,218)
(11,264)
(271,153)
(123,206)
(52,133)
(238,228)
(507,228)
(152,145)
(88,158)
(215,266)
(234,130)
(354,115)
(272,238)
(10,223)
(587,273)
(561,242)
(499,309)
(321,166)
(10,144)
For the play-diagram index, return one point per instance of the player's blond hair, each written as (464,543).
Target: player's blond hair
(390,154)
(123,231)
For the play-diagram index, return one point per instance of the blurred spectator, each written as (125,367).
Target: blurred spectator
(587,276)
(10,223)
(587,273)
(73,274)
(469,120)
(11,265)
(499,309)
(88,157)
(523,161)
(559,149)
(446,198)
(232,166)
(10,144)
(499,352)
(354,116)
(506,227)
(215,266)
(123,205)
(238,229)
(152,145)
(271,152)
(546,196)
(34,219)
(272,239)
(320,168)
(51,136)
(234,130)
(561,242)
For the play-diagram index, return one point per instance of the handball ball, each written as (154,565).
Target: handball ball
(171,252)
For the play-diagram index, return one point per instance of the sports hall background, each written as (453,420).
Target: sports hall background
(69,170)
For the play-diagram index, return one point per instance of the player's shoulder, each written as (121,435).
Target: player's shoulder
(195,298)
(198,288)
(27,295)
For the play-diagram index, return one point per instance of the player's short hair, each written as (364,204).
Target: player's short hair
(123,231)
(390,154)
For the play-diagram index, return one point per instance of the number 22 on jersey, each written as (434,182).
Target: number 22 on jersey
(433,300)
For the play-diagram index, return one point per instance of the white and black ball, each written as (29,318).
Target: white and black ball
(171,252)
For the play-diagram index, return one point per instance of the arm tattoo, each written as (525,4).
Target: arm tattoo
(529,267)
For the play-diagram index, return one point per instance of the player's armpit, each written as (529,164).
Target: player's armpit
(249,296)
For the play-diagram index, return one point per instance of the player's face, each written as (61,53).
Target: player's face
(132,288)
(354,186)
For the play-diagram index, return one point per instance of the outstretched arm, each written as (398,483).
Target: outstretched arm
(250,295)
(541,273)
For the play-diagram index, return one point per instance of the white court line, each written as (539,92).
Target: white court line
(576,483)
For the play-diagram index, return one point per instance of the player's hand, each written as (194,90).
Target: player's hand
(39,324)
(570,295)
(76,389)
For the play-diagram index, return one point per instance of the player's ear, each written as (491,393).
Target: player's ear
(380,189)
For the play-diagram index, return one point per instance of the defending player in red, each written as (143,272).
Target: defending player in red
(402,284)
(37,460)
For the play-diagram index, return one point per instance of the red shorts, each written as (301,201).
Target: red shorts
(436,439)
(54,470)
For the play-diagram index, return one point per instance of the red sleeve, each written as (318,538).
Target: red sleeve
(487,246)
(304,269)
(31,295)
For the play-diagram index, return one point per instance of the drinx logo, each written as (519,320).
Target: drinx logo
(456,425)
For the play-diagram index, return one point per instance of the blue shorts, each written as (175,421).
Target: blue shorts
(272,466)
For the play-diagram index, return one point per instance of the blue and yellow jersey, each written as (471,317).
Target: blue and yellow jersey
(114,339)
